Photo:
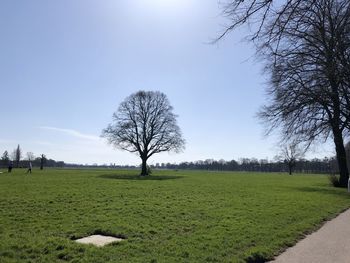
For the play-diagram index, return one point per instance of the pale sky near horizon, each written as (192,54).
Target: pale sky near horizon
(66,65)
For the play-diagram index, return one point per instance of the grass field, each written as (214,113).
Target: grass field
(174,216)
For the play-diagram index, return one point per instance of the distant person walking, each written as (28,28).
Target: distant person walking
(10,167)
(30,167)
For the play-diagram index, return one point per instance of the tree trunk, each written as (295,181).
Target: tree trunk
(341,158)
(290,169)
(144,171)
(42,160)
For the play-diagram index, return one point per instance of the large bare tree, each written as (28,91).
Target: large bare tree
(145,124)
(306,46)
(308,85)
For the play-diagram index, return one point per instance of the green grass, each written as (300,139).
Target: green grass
(174,216)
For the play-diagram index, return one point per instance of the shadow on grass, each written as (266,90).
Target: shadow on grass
(141,178)
(330,191)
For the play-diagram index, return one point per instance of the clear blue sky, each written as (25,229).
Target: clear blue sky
(66,65)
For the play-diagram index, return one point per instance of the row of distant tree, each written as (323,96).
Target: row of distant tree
(99,166)
(290,160)
(326,165)
(17,159)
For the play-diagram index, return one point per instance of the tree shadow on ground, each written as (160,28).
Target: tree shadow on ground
(140,178)
(330,191)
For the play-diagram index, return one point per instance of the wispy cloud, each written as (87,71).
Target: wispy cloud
(43,143)
(73,133)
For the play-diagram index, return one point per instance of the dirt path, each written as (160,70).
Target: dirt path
(331,243)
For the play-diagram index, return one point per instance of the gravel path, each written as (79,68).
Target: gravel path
(331,243)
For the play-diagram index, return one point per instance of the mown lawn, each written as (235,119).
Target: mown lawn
(174,216)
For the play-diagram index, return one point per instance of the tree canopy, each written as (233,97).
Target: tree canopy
(306,49)
(145,124)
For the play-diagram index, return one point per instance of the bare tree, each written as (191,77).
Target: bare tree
(13,155)
(30,156)
(42,161)
(145,124)
(290,154)
(17,155)
(5,158)
(267,18)
(307,88)
(306,46)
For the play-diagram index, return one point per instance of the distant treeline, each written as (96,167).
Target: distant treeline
(35,163)
(326,165)
(100,166)
(17,159)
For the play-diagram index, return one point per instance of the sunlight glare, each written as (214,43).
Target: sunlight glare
(168,4)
